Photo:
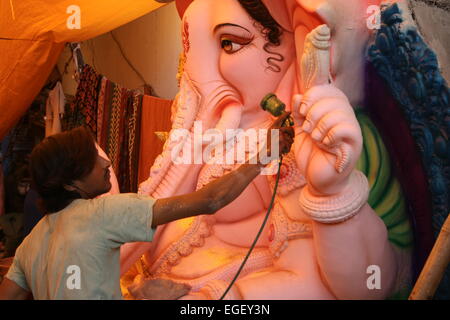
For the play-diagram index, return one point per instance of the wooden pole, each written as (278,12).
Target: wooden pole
(435,266)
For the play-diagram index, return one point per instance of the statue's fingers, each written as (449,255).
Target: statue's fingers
(341,141)
(296,102)
(319,93)
(342,132)
(328,122)
(316,112)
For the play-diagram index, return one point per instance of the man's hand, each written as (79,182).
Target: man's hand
(286,135)
(158,289)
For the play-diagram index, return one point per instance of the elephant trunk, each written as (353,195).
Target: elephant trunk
(216,107)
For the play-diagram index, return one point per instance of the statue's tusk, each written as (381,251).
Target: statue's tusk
(315,62)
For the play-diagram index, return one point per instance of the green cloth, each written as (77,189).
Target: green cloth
(386,196)
(81,245)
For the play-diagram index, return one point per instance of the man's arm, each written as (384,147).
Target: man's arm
(218,193)
(9,290)
(207,200)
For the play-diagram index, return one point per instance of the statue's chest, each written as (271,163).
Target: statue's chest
(253,199)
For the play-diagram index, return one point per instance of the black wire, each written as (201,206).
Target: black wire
(259,233)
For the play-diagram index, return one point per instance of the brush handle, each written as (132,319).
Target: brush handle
(434,268)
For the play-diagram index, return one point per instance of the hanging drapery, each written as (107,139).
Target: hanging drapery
(118,130)
(155,118)
(54,109)
(113,114)
(126,126)
(129,159)
(32,36)
(83,110)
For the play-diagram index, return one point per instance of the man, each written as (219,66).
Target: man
(73,252)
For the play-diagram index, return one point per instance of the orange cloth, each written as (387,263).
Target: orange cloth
(155,117)
(39,29)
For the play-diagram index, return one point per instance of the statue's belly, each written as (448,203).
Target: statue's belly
(243,214)
(243,233)
(296,270)
(214,256)
(221,244)
(228,240)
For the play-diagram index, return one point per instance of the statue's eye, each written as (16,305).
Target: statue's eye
(232,44)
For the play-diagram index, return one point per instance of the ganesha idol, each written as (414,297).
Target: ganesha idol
(338,227)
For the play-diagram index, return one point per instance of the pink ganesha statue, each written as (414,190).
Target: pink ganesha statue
(323,240)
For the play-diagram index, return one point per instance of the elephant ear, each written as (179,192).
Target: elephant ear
(410,106)
(285,11)
(348,23)
(281,12)
(185,108)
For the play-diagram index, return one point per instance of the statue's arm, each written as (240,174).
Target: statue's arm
(351,253)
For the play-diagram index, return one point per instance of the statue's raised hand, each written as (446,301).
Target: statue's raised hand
(328,138)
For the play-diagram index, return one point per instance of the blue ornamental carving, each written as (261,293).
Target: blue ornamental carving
(411,71)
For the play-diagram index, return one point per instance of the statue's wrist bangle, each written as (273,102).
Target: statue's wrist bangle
(340,207)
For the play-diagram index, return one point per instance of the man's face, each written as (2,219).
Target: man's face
(98,181)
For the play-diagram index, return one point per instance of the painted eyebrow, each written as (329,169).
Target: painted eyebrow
(229,25)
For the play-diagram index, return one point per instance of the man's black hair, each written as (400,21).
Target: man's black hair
(58,161)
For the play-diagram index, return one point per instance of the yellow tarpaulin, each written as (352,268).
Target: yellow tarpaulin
(33,34)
